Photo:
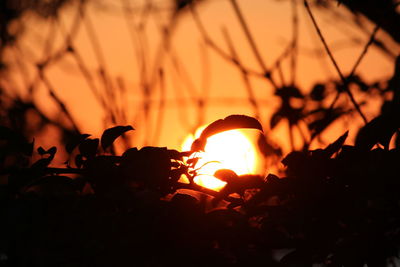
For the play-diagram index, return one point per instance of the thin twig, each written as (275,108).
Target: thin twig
(207,39)
(358,61)
(59,102)
(181,71)
(280,73)
(345,83)
(364,52)
(137,45)
(182,105)
(315,51)
(48,58)
(141,50)
(81,65)
(205,85)
(249,37)
(295,35)
(103,69)
(161,107)
(250,92)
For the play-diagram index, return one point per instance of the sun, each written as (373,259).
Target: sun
(226,150)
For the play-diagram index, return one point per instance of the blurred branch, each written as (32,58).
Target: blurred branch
(215,47)
(365,50)
(179,101)
(385,14)
(103,69)
(59,102)
(249,36)
(250,39)
(355,21)
(294,46)
(205,83)
(345,83)
(280,73)
(161,107)
(358,61)
(250,91)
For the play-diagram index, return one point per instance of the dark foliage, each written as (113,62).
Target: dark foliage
(11,10)
(229,123)
(338,206)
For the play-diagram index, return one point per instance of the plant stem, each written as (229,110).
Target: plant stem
(328,51)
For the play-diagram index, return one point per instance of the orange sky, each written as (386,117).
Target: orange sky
(270,24)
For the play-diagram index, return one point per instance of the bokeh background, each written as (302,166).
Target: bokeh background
(169,67)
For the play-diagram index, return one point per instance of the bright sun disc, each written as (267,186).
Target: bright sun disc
(226,150)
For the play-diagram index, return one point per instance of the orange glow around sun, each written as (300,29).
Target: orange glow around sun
(226,150)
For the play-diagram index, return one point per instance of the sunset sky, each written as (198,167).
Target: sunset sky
(129,40)
(199,133)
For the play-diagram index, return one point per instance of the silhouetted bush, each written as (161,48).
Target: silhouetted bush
(338,206)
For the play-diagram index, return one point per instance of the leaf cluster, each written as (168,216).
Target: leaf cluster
(336,206)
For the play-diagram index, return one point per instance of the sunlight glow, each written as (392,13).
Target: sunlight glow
(226,150)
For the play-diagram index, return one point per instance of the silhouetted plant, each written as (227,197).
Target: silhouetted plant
(334,206)
(337,206)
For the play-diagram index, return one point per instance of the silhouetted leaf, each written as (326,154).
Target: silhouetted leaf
(88,148)
(41,151)
(226,175)
(198,145)
(335,146)
(382,128)
(379,130)
(75,142)
(229,123)
(272,186)
(51,152)
(394,82)
(326,118)
(108,137)
(244,182)
(293,157)
(41,163)
(235,183)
